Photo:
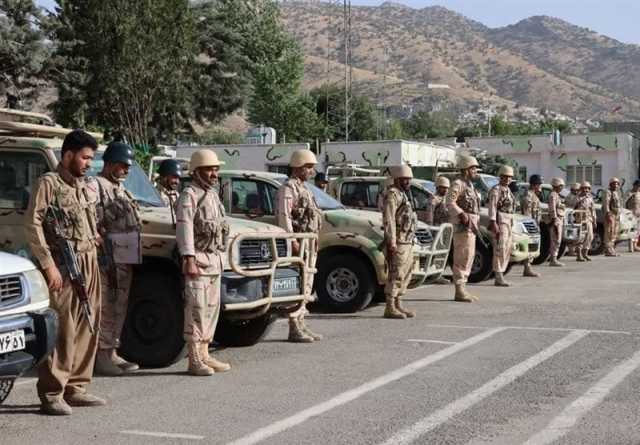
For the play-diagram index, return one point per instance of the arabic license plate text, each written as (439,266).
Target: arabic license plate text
(282,284)
(12,341)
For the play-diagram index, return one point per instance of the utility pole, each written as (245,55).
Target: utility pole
(347,68)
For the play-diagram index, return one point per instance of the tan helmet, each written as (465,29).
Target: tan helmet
(204,158)
(302,157)
(575,186)
(466,161)
(557,182)
(585,185)
(614,179)
(443,182)
(401,171)
(506,170)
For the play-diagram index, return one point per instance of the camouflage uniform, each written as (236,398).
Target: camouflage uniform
(633,203)
(169,196)
(611,209)
(501,208)
(400,223)
(68,370)
(463,198)
(585,202)
(436,211)
(298,212)
(530,206)
(556,222)
(117,214)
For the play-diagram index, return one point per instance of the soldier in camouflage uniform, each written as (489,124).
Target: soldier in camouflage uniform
(168,184)
(298,212)
(201,235)
(119,225)
(400,223)
(585,203)
(64,376)
(570,202)
(611,208)
(530,206)
(501,206)
(633,203)
(556,220)
(436,211)
(463,205)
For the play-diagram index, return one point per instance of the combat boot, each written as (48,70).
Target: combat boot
(123,364)
(555,263)
(408,313)
(57,408)
(306,330)
(390,311)
(196,365)
(529,272)
(462,294)
(105,365)
(585,255)
(296,334)
(500,281)
(211,361)
(441,280)
(579,257)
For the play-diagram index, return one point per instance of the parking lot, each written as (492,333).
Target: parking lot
(551,360)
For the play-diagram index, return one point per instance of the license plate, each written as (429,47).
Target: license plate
(12,341)
(281,284)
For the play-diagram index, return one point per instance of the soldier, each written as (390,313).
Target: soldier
(633,203)
(611,209)
(297,212)
(168,183)
(501,208)
(436,209)
(400,223)
(201,233)
(556,220)
(585,202)
(64,376)
(463,205)
(570,202)
(321,181)
(119,225)
(530,206)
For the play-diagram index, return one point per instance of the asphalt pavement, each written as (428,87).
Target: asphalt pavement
(549,360)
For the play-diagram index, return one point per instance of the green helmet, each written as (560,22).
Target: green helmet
(118,152)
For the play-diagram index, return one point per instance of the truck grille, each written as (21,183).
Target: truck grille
(258,251)
(531,226)
(10,290)
(424,237)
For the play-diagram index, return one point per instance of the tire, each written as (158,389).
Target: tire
(345,283)
(545,245)
(241,333)
(597,245)
(152,334)
(6,385)
(482,263)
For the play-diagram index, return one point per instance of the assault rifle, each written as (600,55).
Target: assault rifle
(55,218)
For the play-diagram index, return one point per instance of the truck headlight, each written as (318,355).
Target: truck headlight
(38,289)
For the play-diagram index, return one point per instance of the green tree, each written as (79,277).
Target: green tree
(429,125)
(22,51)
(490,163)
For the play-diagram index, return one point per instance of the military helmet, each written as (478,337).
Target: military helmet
(506,170)
(442,182)
(204,158)
(585,184)
(535,180)
(575,186)
(302,157)
(557,182)
(466,161)
(614,179)
(118,152)
(169,167)
(400,171)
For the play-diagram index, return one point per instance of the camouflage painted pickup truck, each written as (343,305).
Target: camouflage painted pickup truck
(260,277)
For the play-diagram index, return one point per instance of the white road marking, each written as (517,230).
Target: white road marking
(440,342)
(533,328)
(414,432)
(567,419)
(352,394)
(164,435)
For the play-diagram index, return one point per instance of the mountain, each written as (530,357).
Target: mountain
(540,62)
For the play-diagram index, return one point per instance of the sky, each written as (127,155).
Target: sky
(613,18)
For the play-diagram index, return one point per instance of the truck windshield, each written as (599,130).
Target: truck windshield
(325,201)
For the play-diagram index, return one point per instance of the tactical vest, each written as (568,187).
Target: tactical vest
(210,230)
(469,201)
(506,201)
(305,215)
(120,212)
(584,203)
(531,206)
(614,203)
(406,220)
(440,214)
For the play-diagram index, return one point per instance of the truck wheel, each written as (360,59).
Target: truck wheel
(345,283)
(152,334)
(243,332)
(545,245)
(482,267)
(6,385)
(597,245)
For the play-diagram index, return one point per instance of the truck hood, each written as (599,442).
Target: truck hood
(13,264)
(363,222)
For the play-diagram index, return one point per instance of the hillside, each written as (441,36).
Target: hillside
(539,62)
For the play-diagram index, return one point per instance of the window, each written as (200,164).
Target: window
(251,197)
(18,173)
(420,198)
(580,173)
(360,194)
(522,174)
